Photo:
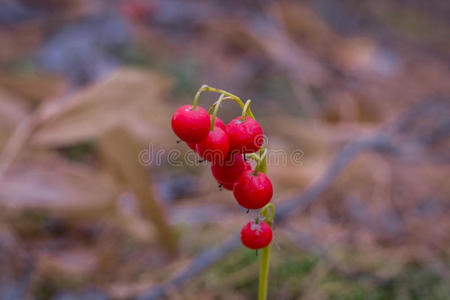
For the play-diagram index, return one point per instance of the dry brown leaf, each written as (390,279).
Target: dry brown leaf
(35,87)
(103,106)
(56,185)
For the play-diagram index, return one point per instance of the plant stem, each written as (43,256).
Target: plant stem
(264,273)
(245,109)
(261,165)
(197,95)
(263,153)
(211,108)
(230,95)
(216,108)
(265,255)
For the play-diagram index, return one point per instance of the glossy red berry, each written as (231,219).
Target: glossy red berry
(256,236)
(253,191)
(191,125)
(219,123)
(248,166)
(245,136)
(214,147)
(230,170)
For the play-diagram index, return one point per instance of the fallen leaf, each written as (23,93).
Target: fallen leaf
(105,105)
(56,185)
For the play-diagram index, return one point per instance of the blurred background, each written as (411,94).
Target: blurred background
(92,206)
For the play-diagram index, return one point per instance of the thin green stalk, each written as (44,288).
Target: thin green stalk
(216,108)
(245,109)
(197,95)
(231,96)
(211,108)
(265,255)
(263,154)
(264,273)
(261,166)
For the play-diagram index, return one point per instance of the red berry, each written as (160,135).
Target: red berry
(219,123)
(214,147)
(191,125)
(227,186)
(256,236)
(230,170)
(245,136)
(248,166)
(253,191)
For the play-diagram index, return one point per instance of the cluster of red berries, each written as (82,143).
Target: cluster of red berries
(225,146)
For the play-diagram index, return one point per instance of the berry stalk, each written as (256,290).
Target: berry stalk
(262,163)
(245,110)
(235,98)
(216,108)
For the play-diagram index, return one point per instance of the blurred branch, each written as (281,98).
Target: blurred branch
(387,140)
(384,141)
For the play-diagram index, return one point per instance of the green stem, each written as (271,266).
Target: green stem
(230,95)
(265,256)
(245,109)
(197,95)
(261,166)
(211,108)
(268,216)
(216,108)
(264,273)
(263,154)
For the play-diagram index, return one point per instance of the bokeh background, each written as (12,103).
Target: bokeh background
(88,86)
